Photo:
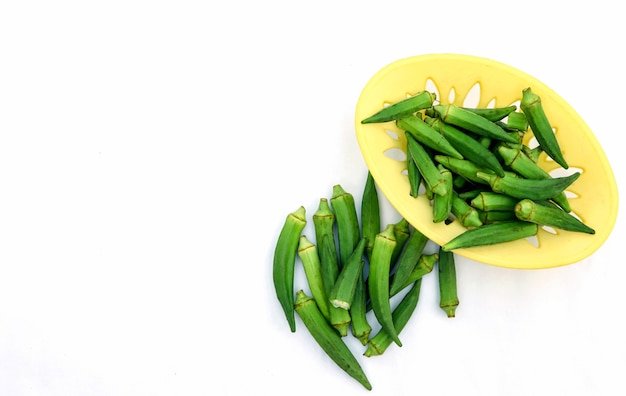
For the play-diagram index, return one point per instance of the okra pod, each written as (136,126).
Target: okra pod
(517,160)
(470,148)
(490,234)
(528,210)
(370,214)
(414,175)
(400,316)
(494,216)
(472,122)
(489,200)
(535,189)
(464,168)
(378,280)
(342,293)
(464,213)
(402,232)
(424,266)
(428,169)
(328,339)
(309,256)
(517,121)
(408,260)
(339,318)
(361,328)
(448,297)
(428,136)
(540,125)
(493,114)
(324,223)
(285,260)
(348,228)
(442,204)
(402,108)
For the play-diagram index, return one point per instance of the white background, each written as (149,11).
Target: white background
(150,151)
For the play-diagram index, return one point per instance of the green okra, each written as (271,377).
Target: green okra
(489,201)
(430,174)
(339,318)
(428,136)
(464,213)
(528,210)
(533,153)
(489,234)
(448,297)
(442,204)
(370,214)
(535,189)
(408,259)
(400,316)
(324,223)
(494,216)
(309,256)
(328,339)
(471,194)
(540,125)
(346,218)
(493,114)
(424,266)
(402,108)
(361,328)
(464,168)
(516,121)
(470,148)
(342,293)
(414,175)
(378,280)
(402,232)
(285,260)
(472,122)
(517,160)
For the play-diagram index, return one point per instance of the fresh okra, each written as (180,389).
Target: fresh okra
(424,266)
(324,222)
(414,175)
(493,114)
(348,229)
(528,210)
(426,166)
(442,204)
(401,232)
(490,234)
(448,298)
(285,260)
(400,316)
(472,122)
(517,160)
(536,189)
(540,125)
(328,339)
(490,201)
(428,136)
(464,168)
(378,280)
(361,328)
(370,214)
(408,260)
(494,216)
(309,256)
(403,108)
(339,318)
(464,213)
(470,148)
(342,293)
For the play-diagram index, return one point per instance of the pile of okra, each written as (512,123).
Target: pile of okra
(474,168)
(353,266)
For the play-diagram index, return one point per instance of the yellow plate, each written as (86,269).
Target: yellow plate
(486,83)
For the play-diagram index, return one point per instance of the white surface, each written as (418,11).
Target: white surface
(149,152)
